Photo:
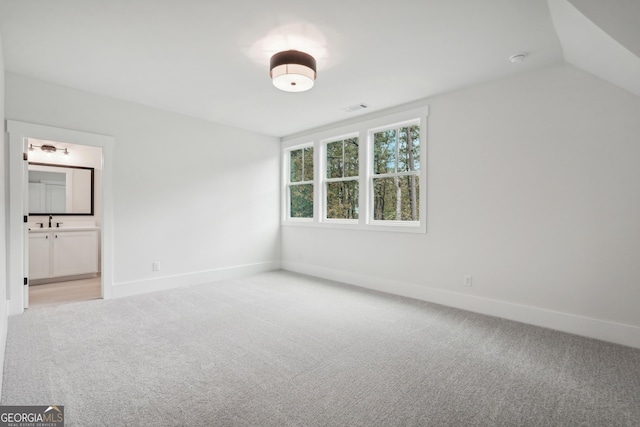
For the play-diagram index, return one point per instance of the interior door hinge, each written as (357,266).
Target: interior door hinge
(26,219)
(25,156)
(26,281)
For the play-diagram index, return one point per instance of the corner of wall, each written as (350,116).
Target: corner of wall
(3,217)
(143,286)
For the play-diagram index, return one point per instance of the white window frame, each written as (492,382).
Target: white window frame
(326,180)
(363,129)
(372,175)
(288,183)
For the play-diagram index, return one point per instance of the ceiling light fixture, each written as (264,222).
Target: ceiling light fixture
(293,71)
(49,149)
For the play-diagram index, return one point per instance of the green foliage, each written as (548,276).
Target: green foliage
(396,166)
(342,162)
(301,197)
(307,163)
(301,170)
(301,165)
(393,198)
(335,160)
(396,151)
(384,152)
(342,199)
(295,166)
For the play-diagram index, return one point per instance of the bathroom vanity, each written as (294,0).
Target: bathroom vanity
(61,252)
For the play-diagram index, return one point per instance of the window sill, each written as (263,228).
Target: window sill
(395,227)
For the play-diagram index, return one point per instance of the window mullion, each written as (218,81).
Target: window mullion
(318,192)
(392,175)
(363,176)
(343,163)
(349,178)
(397,148)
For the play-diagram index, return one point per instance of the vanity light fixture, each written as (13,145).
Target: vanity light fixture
(49,149)
(293,71)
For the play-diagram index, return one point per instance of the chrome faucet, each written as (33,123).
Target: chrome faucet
(50,218)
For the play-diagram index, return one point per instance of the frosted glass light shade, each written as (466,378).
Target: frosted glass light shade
(293,71)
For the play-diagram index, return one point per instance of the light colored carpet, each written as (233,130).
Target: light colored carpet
(280,349)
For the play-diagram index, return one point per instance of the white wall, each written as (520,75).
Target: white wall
(200,198)
(3,222)
(534,190)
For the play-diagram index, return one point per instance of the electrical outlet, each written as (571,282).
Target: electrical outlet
(468,281)
(156,266)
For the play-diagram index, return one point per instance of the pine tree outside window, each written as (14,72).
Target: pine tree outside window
(341,179)
(300,183)
(369,175)
(396,172)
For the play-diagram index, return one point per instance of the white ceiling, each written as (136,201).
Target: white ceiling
(209,59)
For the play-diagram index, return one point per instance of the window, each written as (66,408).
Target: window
(341,182)
(370,175)
(300,184)
(396,172)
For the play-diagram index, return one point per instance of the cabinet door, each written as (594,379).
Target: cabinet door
(75,252)
(39,256)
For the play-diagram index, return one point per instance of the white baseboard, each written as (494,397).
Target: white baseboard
(137,287)
(618,333)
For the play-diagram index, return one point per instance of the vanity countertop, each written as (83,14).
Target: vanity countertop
(46,229)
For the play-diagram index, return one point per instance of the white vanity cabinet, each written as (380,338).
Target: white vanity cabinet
(62,252)
(39,256)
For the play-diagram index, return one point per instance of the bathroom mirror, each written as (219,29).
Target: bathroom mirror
(60,190)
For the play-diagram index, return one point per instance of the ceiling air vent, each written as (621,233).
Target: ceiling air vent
(355,107)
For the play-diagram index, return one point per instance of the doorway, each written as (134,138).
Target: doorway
(19,134)
(64,196)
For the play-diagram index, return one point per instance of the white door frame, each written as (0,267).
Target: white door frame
(18,131)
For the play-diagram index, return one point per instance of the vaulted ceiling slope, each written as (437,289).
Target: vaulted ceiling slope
(209,59)
(602,38)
